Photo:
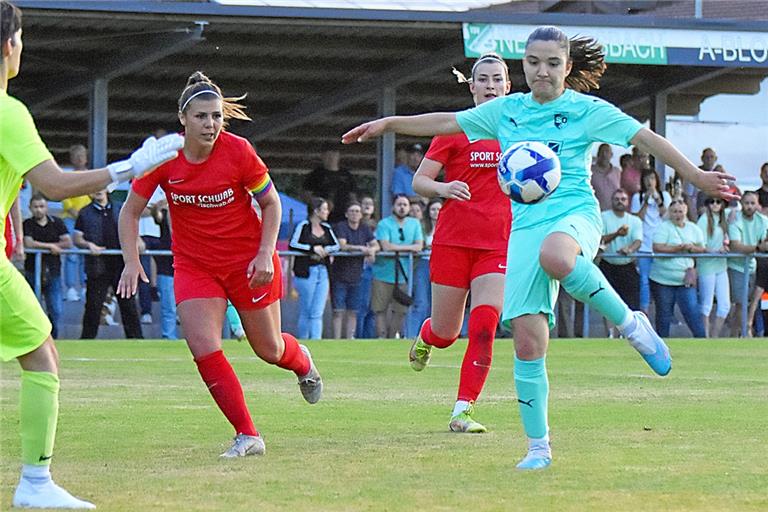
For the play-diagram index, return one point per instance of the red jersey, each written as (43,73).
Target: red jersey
(214,224)
(483,222)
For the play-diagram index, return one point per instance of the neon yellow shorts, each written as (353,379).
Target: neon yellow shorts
(528,290)
(23,324)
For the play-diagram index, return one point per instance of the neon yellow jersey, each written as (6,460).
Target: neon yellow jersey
(21,149)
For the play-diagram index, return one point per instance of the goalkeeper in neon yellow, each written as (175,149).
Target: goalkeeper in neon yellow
(25,332)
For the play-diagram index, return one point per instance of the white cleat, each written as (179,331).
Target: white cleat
(244,445)
(46,495)
(311,384)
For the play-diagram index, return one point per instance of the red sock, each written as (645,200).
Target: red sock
(430,338)
(294,358)
(477,360)
(226,390)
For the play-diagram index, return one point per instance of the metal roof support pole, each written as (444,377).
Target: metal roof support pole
(385,152)
(659,125)
(98,110)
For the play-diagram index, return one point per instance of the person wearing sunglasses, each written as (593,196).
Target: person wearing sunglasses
(397,233)
(713,272)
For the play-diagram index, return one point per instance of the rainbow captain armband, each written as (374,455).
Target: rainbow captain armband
(262,187)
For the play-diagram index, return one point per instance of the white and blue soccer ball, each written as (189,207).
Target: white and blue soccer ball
(528,172)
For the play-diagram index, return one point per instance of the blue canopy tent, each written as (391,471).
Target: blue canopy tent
(294,211)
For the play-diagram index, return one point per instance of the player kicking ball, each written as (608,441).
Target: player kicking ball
(554,242)
(25,331)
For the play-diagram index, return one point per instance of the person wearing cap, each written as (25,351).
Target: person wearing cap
(402,179)
(331,181)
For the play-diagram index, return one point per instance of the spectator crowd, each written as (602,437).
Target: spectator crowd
(381,295)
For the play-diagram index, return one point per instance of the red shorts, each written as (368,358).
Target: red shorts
(194,282)
(456,266)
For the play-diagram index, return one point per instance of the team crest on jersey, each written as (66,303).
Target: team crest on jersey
(555,145)
(560,121)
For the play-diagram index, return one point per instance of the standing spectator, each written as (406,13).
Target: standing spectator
(315,237)
(748,235)
(650,204)
(398,233)
(149,231)
(606,177)
(346,272)
(630,177)
(43,231)
(622,234)
(165,271)
(422,287)
(762,192)
(96,230)
(713,272)
(402,177)
(696,197)
(333,182)
(74,264)
(673,279)
(366,318)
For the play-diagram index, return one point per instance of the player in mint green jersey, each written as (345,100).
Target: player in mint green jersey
(25,332)
(554,241)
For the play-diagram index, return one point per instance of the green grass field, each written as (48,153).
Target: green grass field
(139,432)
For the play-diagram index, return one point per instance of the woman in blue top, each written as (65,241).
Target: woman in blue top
(555,241)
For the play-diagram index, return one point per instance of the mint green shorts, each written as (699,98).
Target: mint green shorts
(23,324)
(528,290)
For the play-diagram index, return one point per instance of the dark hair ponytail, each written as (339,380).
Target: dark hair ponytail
(315,203)
(10,20)
(587,64)
(585,54)
(198,83)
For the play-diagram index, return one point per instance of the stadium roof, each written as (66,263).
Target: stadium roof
(310,73)
(395,5)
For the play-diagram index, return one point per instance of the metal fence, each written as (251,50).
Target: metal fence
(38,254)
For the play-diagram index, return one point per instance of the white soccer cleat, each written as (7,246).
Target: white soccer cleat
(651,347)
(311,384)
(244,446)
(46,495)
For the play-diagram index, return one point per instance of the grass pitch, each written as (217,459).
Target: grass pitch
(139,432)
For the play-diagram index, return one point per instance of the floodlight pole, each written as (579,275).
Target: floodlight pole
(659,125)
(385,147)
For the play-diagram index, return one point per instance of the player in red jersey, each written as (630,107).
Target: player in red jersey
(469,250)
(222,250)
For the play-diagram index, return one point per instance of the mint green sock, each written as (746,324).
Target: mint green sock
(235,324)
(39,405)
(532,388)
(587,284)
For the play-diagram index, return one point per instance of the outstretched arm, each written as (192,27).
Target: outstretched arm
(437,123)
(713,183)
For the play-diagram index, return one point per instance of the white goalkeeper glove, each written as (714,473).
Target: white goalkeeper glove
(151,154)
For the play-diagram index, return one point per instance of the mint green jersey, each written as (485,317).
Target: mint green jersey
(569,125)
(748,232)
(671,271)
(611,224)
(713,243)
(20,150)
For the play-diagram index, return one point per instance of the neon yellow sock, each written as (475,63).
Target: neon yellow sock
(39,404)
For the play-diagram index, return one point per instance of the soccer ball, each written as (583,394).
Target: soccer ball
(528,172)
